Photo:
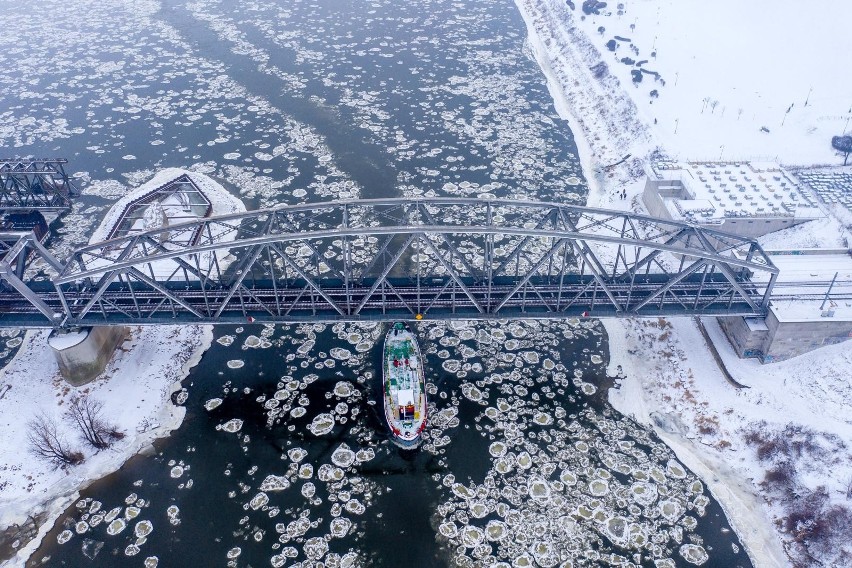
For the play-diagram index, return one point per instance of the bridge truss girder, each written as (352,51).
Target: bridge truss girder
(395,258)
(35,184)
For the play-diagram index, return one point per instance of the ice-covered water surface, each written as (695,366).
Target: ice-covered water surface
(518,464)
(283,458)
(463,111)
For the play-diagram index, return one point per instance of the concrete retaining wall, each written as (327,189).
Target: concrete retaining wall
(782,340)
(82,355)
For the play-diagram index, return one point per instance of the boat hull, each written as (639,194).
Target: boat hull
(403,387)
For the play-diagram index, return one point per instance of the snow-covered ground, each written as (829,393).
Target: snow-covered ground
(777,455)
(135,391)
(768,452)
(751,62)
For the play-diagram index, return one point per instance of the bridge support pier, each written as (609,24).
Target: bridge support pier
(83,354)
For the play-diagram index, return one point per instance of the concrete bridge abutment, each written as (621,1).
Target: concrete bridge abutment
(83,353)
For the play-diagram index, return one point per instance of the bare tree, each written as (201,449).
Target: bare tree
(85,413)
(47,442)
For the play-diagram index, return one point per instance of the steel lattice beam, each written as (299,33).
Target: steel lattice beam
(394,258)
(35,184)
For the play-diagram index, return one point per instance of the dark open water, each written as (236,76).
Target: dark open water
(525,463)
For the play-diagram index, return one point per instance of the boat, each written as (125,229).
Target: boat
(404,387)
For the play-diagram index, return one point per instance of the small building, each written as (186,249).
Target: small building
(748,199)
(805,316)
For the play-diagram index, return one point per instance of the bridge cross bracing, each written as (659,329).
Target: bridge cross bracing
(387,259)
(35,184)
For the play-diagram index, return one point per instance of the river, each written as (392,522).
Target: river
(283,457)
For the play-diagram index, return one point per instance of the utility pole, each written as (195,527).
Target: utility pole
(809,96)
(676,123)
(827,292)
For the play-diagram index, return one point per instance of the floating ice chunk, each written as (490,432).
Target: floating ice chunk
(308,490)
(143,529)
(543,419)
(616,529)
(644,493)
(131,513)
(568,477)
(236,363)
(340,527)
(173,511)
(694,554)
(212,403)
(544,554)
(539,489)
(344,389)
(471,536)
(588,389)
(274,483)
(448,529)
(524,460)
(355,507)
(523,561)
(365,455)
(252,342)
(363,346)
(259,501)
(315,548)
(462,491)
(305,347)
(298,412)
(81,527)
(496,530)
(497,449)
(131,498)
(176,472)
(297,454)
(503,465)
(234,552)
(321,424)
(674,469)
(478,509)
(234,425)
(343,456)
(131,550)
(225,340)
(151,562)
(471,392)
(451,365)
(64,536)
(112,514)
(340,353)
(530,357)
(665,563)
(598,487)
(306,471)
(597,359)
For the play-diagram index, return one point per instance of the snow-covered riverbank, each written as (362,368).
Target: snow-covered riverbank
(776,455)
(136,391)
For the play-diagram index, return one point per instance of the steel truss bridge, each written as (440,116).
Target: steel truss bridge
(388,259)
(35,184)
